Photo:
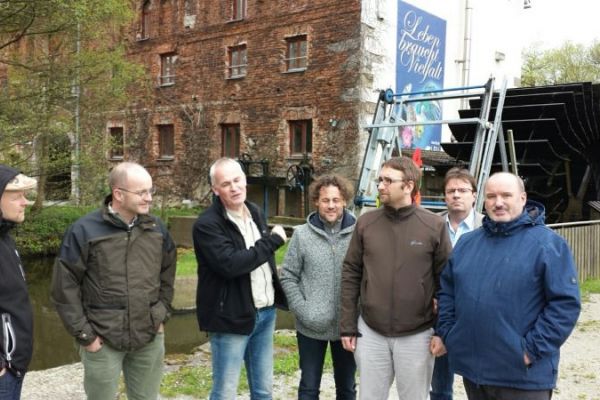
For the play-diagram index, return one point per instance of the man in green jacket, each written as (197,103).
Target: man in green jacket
(393,265)
(113,286)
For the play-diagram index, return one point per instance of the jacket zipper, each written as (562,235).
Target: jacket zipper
(10,342)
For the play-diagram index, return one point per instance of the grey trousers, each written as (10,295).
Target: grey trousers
(380,359)
(142,371)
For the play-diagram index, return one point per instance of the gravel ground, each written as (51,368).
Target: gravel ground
(579,377)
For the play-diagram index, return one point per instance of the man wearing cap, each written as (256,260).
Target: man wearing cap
(16,330)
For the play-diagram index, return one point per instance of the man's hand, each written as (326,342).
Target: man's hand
(349,343)
(95,346)
(436,346)
(526,359)
(278,230)
(2,371)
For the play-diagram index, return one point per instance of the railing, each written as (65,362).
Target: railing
(584,239)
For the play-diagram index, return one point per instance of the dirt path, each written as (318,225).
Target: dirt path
(579,376)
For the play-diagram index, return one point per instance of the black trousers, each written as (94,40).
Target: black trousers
(312,356)
(487,392)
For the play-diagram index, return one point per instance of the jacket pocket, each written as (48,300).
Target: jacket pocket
(108,321)
(158,314)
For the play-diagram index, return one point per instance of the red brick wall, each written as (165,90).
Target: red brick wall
(264,99)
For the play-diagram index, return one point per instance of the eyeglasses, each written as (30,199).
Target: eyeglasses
(141,193)
(387,181)
(459,190)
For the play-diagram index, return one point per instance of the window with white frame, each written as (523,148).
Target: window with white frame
(297,55)
(238,9)
(238,61)
(167,69)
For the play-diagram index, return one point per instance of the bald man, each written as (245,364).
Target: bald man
(113,286)
(509,299)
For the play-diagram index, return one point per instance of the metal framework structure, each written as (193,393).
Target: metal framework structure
(384,141)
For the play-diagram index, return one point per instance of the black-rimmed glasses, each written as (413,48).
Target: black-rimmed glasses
(387,181)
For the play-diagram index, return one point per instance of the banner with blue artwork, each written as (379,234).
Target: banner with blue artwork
(420,53)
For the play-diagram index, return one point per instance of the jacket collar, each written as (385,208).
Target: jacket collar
(400,213)
(114,219)
(347,220)
(533,214)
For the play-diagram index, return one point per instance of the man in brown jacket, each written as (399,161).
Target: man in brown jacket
(389,278)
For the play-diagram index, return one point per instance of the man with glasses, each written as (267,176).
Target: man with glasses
(113,285)
(238,286)
(393,264)
(460,191)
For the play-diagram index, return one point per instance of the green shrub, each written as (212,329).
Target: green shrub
(43,230)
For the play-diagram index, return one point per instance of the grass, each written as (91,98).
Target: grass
(591,286)
(186,260)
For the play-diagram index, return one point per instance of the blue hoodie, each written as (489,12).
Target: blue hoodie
(509,289)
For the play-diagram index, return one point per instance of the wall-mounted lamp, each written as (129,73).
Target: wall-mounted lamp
(499,56)
(333,122)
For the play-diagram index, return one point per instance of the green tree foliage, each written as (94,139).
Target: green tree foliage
(568,63)
(62,68)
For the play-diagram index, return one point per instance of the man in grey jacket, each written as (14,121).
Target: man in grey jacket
(311,280)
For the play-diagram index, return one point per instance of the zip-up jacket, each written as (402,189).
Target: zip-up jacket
(224,300)
(16,323)
(312,276)
(508,290)
(393,265)
(114,281)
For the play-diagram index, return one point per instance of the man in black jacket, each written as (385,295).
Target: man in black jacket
(16,330)
(238,286)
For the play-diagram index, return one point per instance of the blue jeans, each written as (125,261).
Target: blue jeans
(312,355)
(10,386)
(255,350)
(442,380)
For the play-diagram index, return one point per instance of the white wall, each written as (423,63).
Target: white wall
(494,31)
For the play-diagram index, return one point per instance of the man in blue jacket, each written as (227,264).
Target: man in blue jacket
(509,299)
(238,286)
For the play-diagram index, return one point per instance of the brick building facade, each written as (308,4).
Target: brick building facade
(275,81)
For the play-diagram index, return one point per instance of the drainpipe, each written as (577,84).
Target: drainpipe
(466,53)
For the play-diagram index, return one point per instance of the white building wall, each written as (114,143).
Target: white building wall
(495,48)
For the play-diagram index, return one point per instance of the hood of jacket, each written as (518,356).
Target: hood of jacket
(533,213)
(313,219)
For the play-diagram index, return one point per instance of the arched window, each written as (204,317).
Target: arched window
(146,25)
